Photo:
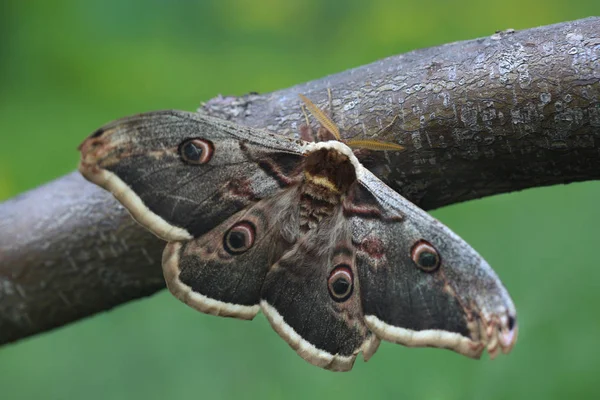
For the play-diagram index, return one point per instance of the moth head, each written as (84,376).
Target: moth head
(332,165)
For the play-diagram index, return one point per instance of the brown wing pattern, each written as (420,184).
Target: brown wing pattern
(335,259)
(180,174)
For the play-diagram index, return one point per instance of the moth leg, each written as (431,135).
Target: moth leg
(324,134)
(330,99)
(306,132)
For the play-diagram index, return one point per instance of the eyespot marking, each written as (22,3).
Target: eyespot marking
(340,283)
(239,238)
(196,151)
(425,256)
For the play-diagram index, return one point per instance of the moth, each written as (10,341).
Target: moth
(302,231)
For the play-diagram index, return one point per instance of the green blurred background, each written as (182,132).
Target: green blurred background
(67,67)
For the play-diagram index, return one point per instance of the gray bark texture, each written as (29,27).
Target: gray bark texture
(480,117)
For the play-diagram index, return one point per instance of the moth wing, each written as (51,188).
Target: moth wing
(180,174)
(297,301)
(222,272)
(462,305)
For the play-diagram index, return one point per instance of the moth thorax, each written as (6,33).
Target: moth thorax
(329,169)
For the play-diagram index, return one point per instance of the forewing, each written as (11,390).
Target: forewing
(148,163)
(460,305)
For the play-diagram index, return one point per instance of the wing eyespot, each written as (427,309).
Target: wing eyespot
(239,238)
(196,151)
(425,256)
(340,283)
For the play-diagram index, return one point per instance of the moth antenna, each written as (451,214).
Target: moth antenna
(321,117)
(373,145)
(332,127)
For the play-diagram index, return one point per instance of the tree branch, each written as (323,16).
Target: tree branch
(480,117)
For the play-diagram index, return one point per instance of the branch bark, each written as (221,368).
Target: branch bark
(479,117)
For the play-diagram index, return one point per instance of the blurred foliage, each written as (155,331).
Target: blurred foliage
(68,66)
